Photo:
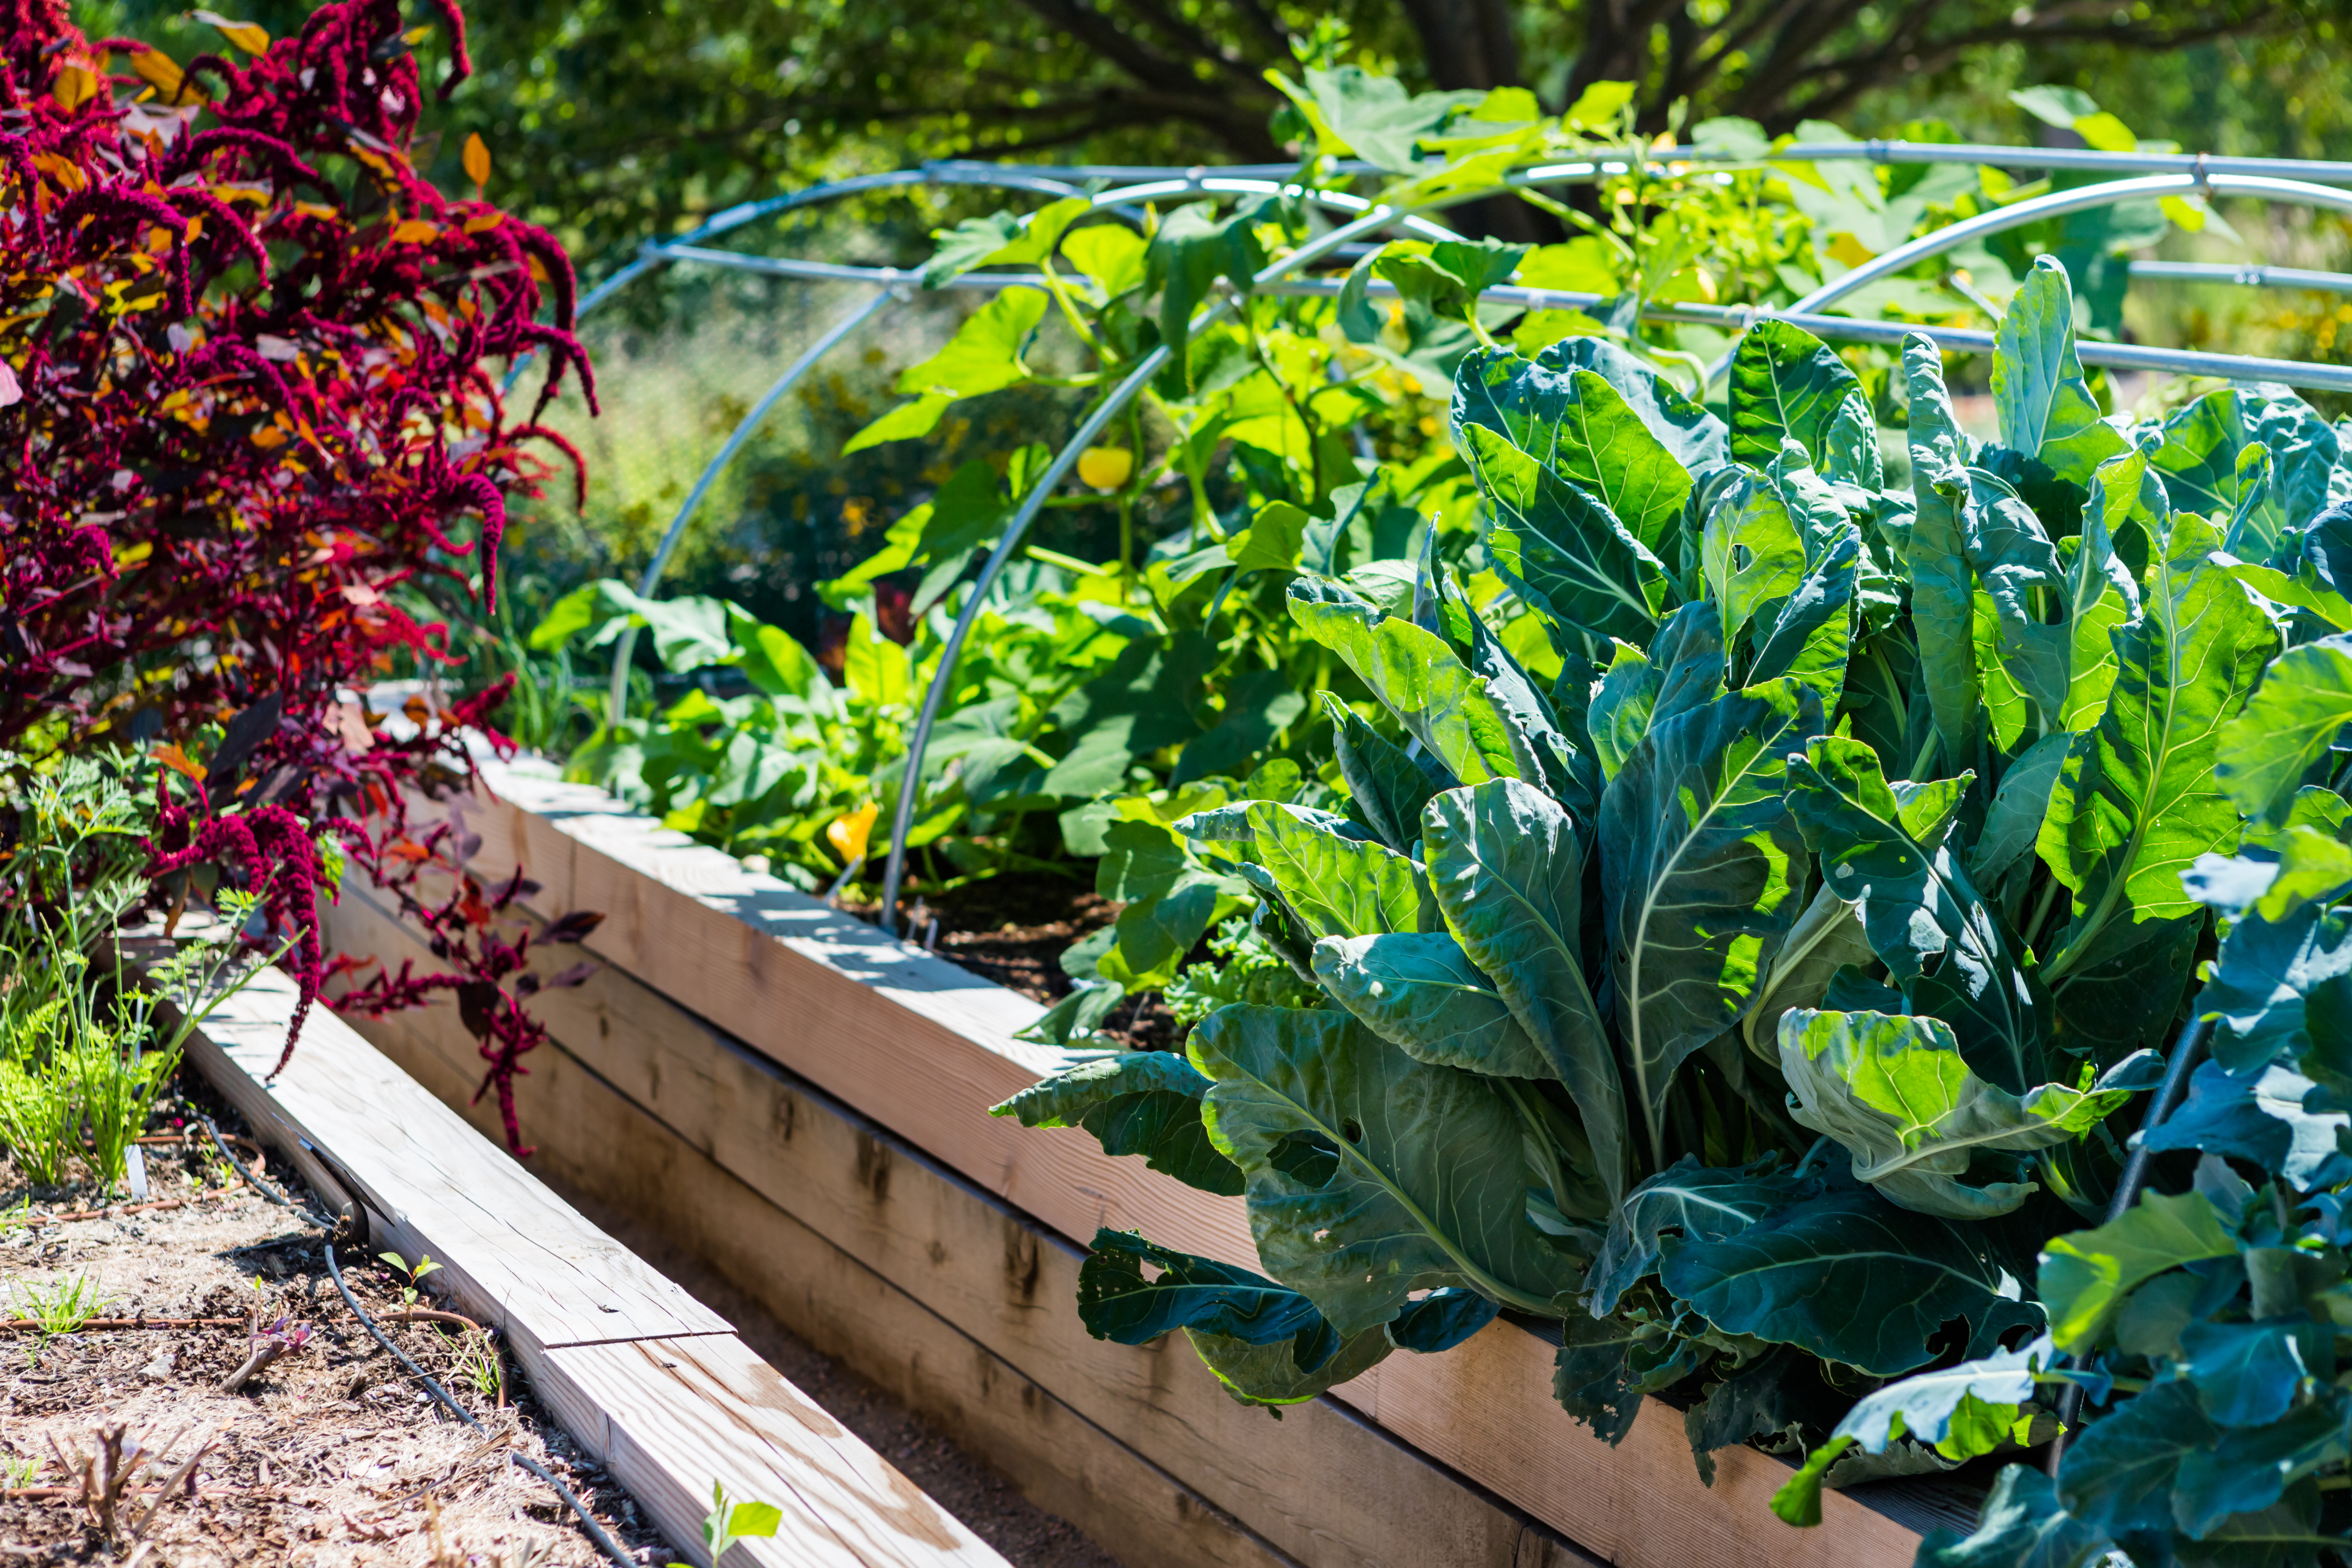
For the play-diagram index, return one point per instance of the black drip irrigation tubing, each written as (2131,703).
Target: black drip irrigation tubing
(596,1533)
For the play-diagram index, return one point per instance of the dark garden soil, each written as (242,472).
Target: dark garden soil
(1013,929)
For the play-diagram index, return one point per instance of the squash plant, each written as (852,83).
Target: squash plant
(1759,997)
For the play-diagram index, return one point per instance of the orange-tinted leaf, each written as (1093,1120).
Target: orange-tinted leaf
(250,36)
(415,231)
(76,85)
(178,762)
(477,160)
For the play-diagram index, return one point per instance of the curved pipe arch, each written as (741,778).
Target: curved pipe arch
(2056,204)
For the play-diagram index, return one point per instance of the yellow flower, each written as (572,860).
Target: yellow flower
(847,833)
(1105,467)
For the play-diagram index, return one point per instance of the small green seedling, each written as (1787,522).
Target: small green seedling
(425,1265)
(63,1307)
(727,1525)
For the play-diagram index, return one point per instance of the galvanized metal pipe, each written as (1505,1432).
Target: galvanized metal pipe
(2057,204)
(902,821)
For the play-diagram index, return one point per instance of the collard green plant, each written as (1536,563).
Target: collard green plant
(1769,990)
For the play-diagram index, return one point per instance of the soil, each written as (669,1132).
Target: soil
(1013,930)
(1026,1535)
(330,1456)
(334,1457)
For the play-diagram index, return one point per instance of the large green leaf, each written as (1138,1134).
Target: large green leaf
(1576,423)
(1826,938)
(2260,1120)
(1896,1094)
(1421,993)
(1701,874)
(1938,937)
(2013,821)
(1849,1277)
(2131,1456)
(1116,1301)
(1686,1199)
(1508,873)
(2288,726)
(2022,1526)
(2248,1471)
(1699,441)
(1942,591)
(1562,546)
(1138,1102)
(2045,406)
(2281,948)
(1420,679)
(1390,788)
(1337,885)
(2137,800)
(1683,669)
(1751,550)
(2206,467)
(1785,382)
(1371,1175)
(2087,1274)
(984,356)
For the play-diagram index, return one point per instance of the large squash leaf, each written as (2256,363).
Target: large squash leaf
(1896,1094)
(1702,875)
(1508,873)
(1785,382)
(1562,546)
(1420,679)
(2045,406)
(1851,1277)
(1372,1176)
(1940,940)
(1576,423)
(2137,800)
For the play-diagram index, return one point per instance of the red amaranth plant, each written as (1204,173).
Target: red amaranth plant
(246,391)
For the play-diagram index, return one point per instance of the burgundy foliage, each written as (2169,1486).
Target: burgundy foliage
(248,392)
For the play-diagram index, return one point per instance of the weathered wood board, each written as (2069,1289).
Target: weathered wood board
(574,1304)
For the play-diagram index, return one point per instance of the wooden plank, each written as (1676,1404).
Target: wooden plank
(570,1300)
(924,1047)
(542,1274)
(941,1292)
(672,1416)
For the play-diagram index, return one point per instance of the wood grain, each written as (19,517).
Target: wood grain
(674,1122)
(570,1300)
(925,1048)
(672,1416)
(523,1260)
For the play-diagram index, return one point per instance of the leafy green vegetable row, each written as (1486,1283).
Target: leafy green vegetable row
(1761,972)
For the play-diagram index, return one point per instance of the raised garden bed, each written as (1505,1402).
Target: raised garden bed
(806,1100)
